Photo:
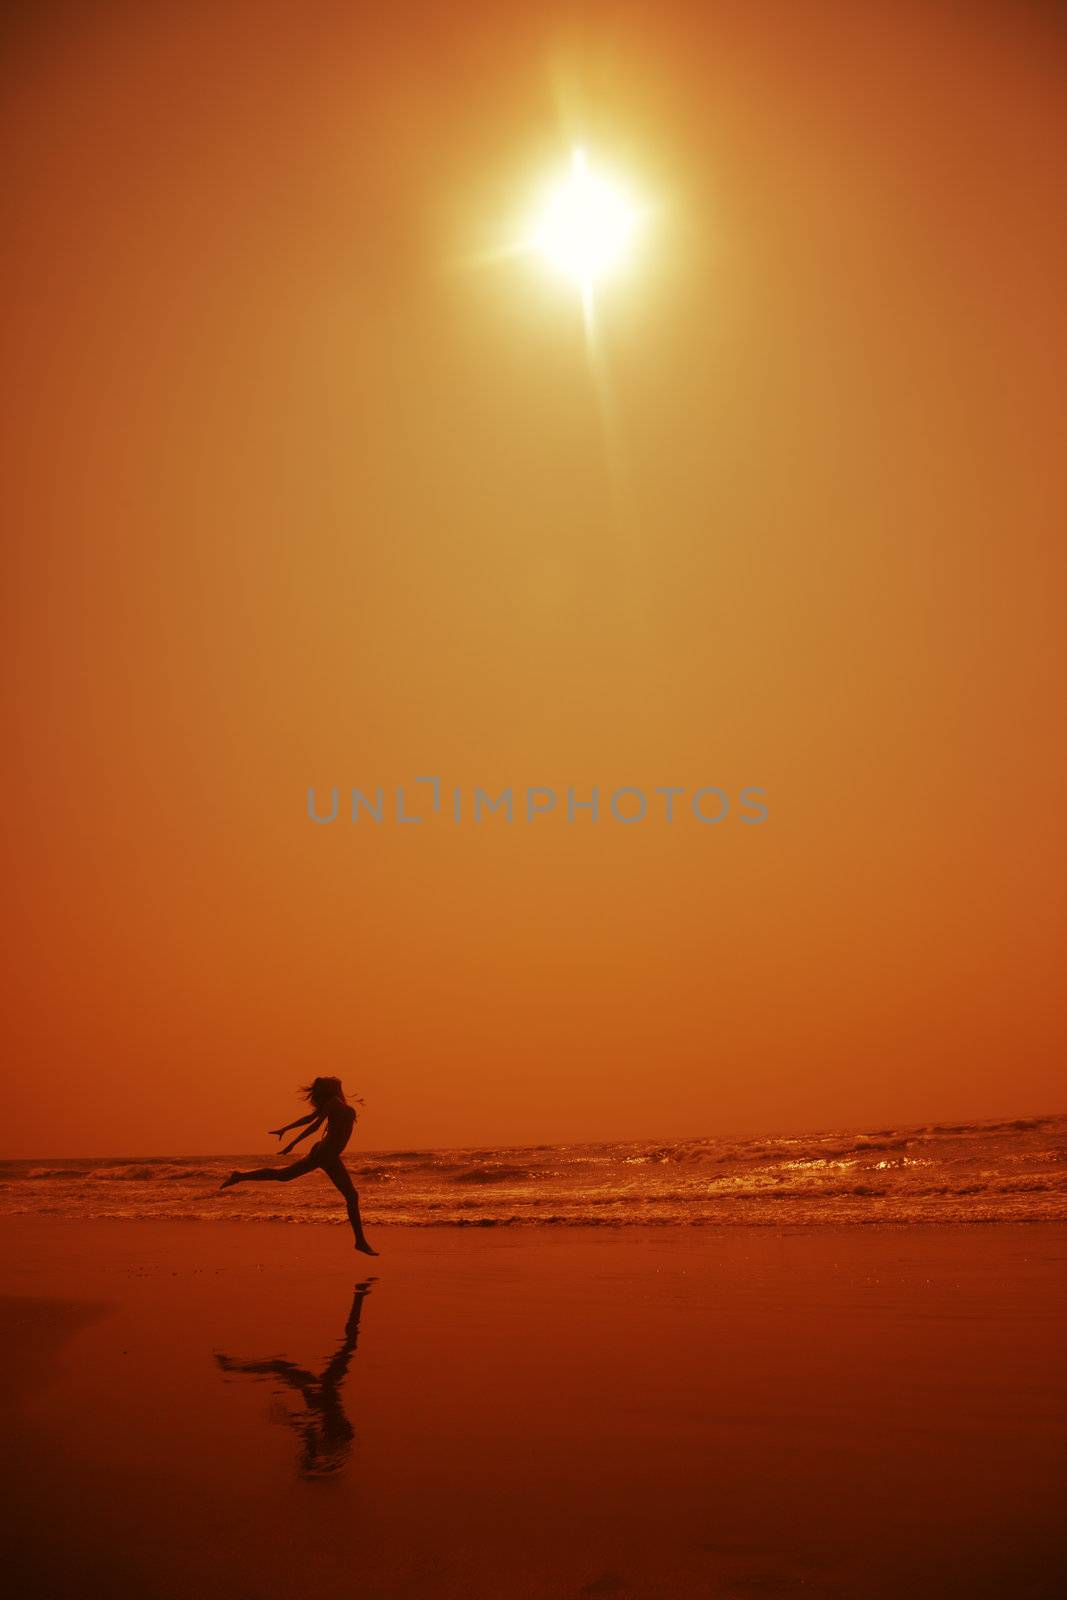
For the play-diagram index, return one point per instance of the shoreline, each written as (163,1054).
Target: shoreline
(548,1225)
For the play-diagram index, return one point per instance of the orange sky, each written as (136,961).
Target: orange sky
(296,495)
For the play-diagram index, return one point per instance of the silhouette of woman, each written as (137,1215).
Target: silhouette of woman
(325,1431)
(329,1106)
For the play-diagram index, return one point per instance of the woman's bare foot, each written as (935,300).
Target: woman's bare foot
(235,1177)
(361,1244)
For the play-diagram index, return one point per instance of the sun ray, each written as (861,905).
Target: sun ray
(583,232)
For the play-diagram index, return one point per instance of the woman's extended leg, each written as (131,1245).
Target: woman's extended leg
(338,1175)
(272,1174)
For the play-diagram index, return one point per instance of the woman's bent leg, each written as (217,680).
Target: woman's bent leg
(338,1175)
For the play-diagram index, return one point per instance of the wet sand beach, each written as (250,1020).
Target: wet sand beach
(251,1411)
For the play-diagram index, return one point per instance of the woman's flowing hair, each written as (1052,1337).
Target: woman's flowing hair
(319,1090)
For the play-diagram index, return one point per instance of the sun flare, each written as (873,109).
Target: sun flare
(587,226)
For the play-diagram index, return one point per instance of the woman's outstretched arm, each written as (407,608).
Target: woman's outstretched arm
(316,1122)
(299,1123)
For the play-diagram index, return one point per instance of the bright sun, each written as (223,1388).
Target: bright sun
(587,226)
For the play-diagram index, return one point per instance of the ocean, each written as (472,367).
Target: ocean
(1006,1171)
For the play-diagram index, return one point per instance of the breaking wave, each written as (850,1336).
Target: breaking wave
(996,1171)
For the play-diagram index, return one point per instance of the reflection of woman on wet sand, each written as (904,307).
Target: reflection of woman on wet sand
(325,1430)
(329,1106)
